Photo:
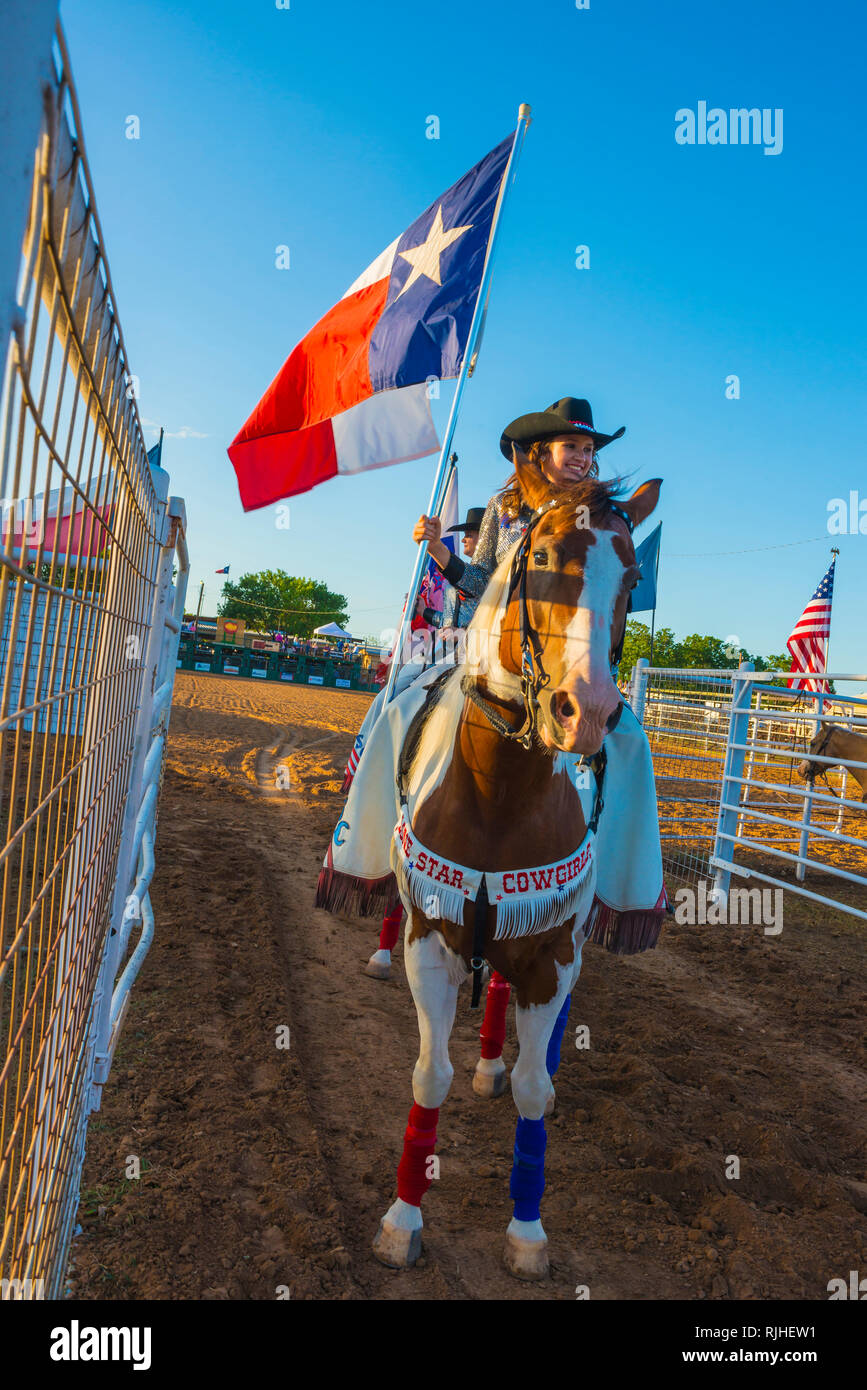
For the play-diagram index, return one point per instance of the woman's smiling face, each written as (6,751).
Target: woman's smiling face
(570,458)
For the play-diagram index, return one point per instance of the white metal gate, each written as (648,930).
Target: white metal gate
(726,749)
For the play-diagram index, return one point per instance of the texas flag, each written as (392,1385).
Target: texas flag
(353,394)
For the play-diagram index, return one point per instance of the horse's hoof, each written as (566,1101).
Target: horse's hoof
(526,1259)
(379,965)
(395,1246)
(490,1084)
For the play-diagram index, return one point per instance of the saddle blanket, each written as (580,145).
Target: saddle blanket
(362,873)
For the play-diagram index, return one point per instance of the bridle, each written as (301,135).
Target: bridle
(817,753)
(534,677)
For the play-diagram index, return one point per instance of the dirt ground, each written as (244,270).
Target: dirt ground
(265,1170)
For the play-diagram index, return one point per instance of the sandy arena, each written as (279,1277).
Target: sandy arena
(265,1169)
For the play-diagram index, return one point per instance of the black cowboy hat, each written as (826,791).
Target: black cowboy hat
(473,521)
(568,416)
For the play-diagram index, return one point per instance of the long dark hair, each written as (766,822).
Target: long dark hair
(512,493)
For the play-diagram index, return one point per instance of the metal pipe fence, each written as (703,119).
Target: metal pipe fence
(729,751)
(90,618)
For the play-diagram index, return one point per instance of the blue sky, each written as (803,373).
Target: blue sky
(306,127)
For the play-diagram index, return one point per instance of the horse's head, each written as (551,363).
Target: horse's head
(809,770)
(580,568)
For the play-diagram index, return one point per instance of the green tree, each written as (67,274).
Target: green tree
(637,643)
(696,652)
(780,662)
(705,652)
(273,601)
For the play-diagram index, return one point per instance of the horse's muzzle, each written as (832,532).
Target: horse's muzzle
(574,729)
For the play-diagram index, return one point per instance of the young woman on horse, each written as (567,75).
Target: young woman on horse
(557,448)
(562,444)
(499,843)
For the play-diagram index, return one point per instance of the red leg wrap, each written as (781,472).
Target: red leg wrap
(493,1029)
(419,1143)
(391,929)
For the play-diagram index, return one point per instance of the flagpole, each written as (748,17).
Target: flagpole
(835,552)
(440,477)
(655,595)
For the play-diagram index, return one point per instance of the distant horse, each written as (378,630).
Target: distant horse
(842,747)
(495,859)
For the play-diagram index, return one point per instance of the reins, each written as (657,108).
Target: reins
(817,753)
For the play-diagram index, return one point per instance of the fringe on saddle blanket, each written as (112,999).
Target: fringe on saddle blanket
(358,875)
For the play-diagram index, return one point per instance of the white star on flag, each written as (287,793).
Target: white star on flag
(425,259)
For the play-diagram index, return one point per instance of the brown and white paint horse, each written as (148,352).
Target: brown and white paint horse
(501,805)
(842,748)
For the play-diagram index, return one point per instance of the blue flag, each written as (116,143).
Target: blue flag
(644,593)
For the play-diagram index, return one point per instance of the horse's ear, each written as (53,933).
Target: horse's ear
(643,501)
(535,489)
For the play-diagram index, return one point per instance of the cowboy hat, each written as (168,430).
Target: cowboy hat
(567,416)
(473,521)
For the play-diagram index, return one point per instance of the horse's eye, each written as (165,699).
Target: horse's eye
(540,557)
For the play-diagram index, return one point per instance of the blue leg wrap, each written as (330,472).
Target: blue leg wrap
(552,1060)
(528,1169)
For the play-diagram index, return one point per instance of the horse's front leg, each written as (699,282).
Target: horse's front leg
(379,965)
(434,973)
(489,1078)
(526,1253)
(552,1058)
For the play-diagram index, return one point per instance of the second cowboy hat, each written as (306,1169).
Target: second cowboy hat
(473,521)
(567,416)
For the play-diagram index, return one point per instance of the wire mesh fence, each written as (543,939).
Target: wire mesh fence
(84,535)
(686,717)
(756,779)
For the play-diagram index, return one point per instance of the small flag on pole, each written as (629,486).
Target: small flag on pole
(644,593)
(222,571)
(432,588)
(354,394)
(808,642)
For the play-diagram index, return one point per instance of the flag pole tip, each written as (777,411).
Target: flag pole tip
(524,110)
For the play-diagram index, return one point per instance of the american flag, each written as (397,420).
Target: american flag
(809,640)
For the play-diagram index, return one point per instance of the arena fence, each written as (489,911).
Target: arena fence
(727,746)
(91,617)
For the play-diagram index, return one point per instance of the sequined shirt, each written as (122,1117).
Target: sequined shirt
(498,532)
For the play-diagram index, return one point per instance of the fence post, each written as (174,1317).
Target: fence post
(733,771)
(25,68)
(751,759)
(638,688)
(801,869)
(153,661)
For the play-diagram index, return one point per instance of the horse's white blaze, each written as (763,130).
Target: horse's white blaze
(588,632)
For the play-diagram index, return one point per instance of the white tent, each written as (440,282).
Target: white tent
(331,630)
